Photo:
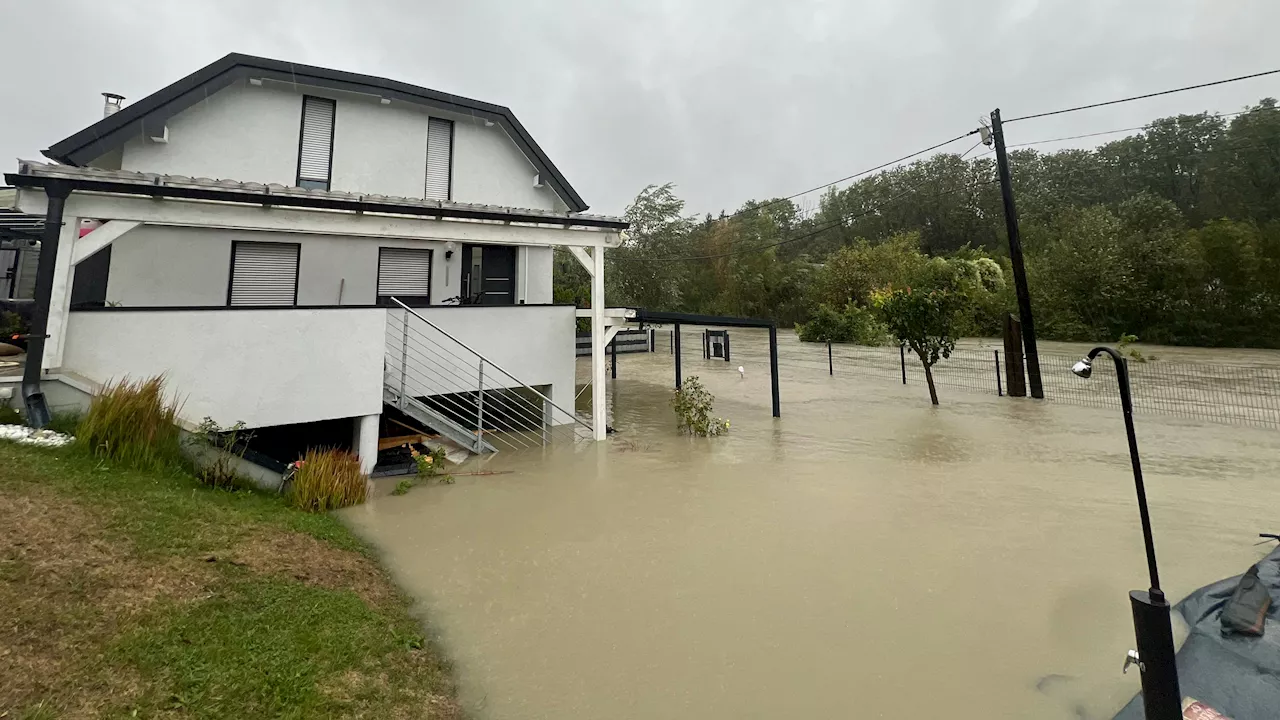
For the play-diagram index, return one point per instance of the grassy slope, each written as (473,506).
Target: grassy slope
(132,594)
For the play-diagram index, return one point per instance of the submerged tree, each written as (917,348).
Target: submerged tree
(923,321)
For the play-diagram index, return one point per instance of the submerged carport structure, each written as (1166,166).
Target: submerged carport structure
(655,316)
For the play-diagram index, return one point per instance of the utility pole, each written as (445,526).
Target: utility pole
(1015,256)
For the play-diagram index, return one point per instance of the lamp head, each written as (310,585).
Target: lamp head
(1084,368)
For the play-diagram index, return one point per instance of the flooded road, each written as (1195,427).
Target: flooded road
(865,555)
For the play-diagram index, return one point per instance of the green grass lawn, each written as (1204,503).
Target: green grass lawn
(146,594)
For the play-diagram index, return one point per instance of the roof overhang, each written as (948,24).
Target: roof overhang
(41,176)
(148,116)
(17,229)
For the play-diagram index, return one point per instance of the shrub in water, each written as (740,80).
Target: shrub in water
(130,422)
(327,480)
(693,405)
(853,324)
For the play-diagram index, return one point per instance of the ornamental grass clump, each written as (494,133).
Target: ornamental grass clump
(131,422)
(326,480)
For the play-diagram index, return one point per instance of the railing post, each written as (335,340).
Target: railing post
(726,348)
(404,355)
(831,369)
(999,389)
(902,355)
(480,411)
(547,418)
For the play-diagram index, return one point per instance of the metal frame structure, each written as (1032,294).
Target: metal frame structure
(654,316)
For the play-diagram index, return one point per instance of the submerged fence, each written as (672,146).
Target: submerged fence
(1243,394)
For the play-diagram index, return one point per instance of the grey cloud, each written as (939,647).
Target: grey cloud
(730,100)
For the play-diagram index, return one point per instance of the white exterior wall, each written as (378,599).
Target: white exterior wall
(250,133)
(238,133)
(265,367)
(534,344)
(171,266)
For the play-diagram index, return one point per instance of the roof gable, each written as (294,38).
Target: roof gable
(148,116)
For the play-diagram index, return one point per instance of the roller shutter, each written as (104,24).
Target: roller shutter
(264,274)
(404,273)
(439,158)
(316,147)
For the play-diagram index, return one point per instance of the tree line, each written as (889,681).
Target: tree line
(1171,234)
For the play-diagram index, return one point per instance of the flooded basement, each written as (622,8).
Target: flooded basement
(864,556)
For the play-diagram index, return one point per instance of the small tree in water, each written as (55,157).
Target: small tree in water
(924,322)
(693,405)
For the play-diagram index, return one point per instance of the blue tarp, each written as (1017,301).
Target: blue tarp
(1237,675)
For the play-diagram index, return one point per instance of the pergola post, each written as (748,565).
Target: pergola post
(598,418)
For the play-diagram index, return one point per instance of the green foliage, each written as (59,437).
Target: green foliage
(402,487)
(853,324)
(66,422)
(11,323)
(217,468)
(131,422)
(1172,233)
(693,406)
(924,321)
(427,466)
(325,480)
(10,416)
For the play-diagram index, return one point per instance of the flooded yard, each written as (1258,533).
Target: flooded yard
(865,555)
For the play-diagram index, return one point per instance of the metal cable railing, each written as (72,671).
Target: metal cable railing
(458,390)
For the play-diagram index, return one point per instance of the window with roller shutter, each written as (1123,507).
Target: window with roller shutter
(405,274)
(439,159)
(315,142)
(263,274)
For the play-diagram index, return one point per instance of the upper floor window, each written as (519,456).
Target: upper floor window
(439,159)
(315,143)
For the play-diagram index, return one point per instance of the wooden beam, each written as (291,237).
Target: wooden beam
(583,259)
(100,237)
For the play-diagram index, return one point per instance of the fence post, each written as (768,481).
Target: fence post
(480,410)
(675,350)
(999,389)
(902,355)
(671,342)
(831,369)
(706,345)
(613,358)
(1013,369)
(404,355)
(653,340)
(726,347)
(773,370)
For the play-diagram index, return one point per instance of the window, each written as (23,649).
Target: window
(439,159)
(405,274)
(315,142)
(263,274)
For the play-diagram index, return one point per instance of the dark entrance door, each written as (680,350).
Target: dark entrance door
(489,274)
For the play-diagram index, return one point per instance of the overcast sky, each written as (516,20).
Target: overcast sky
(729,100)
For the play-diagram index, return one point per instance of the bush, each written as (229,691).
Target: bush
(11,323)
(327,480)
(693,405)
(853,324)
(130,422)
(10,416)
(66,422)
(226,443)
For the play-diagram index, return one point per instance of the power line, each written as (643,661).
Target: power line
(823,228)
(1144,97)
(848,177)
(1117,130)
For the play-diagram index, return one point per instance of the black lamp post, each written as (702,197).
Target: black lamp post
(1161,698)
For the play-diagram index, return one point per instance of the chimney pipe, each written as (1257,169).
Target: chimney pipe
(113,103)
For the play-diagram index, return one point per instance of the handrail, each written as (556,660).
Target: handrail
(496,366)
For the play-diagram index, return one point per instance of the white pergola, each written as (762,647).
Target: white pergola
(124,201)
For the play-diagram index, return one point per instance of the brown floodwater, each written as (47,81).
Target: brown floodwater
(866,555)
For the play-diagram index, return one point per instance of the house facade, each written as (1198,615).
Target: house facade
(292,244)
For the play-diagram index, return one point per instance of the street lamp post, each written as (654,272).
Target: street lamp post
(1153,628)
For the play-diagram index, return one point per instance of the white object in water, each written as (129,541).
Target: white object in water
(742,372)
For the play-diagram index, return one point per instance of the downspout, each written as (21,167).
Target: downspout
(37,409)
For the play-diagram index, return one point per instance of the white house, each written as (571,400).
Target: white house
(290,244)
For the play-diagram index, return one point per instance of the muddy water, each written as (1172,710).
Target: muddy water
(864,556)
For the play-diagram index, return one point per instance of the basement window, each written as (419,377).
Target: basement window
(315,143)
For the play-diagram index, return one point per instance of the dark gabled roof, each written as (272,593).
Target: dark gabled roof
(147,117)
